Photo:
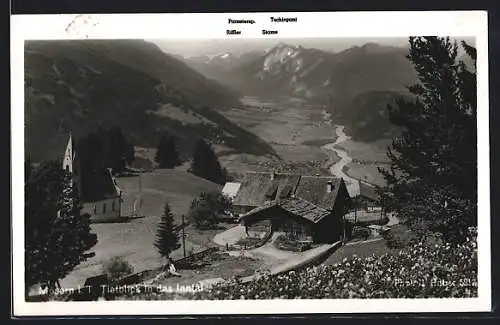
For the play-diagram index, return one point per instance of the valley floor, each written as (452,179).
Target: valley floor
(302,135)
(299,133)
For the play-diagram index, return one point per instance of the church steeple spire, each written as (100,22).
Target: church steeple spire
(69,155)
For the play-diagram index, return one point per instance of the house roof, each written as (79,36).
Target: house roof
(264,207)
(304,209)
(313,189)
(304,196)
(368,191)
(258,188)
(98,185)
(230,189)
(296,206)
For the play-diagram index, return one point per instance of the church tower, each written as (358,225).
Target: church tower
(69,156)
(70,162)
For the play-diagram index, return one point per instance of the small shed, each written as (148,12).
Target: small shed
(230,189)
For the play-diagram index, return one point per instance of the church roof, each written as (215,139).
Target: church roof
(97,186)
(94,185)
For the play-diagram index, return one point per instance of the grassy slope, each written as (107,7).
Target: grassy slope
(361,249)
(77,85)
(172,72)
(367,117)
(134,240)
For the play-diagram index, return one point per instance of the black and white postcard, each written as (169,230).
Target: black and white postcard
(250,163)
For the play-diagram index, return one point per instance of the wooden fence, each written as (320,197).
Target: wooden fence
(93,285)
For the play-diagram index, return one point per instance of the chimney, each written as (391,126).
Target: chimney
(329,186)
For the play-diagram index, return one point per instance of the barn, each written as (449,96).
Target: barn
(311,208)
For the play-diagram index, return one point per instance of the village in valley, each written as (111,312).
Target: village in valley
(273,222)
(176,200)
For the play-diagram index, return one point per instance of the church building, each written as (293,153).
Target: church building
(99,192)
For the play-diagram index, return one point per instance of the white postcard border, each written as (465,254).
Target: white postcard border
(211,26)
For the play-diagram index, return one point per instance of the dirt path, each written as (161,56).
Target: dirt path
(230,236)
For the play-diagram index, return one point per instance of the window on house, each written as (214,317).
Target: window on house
(113,206)
(94,209)
(104,208)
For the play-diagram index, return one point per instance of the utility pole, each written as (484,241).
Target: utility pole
(355,210)
(183,237)
(344,226)
(140,184)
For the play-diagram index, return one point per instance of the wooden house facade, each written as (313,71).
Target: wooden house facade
(310,208)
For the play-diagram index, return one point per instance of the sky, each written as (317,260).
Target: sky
(187,48)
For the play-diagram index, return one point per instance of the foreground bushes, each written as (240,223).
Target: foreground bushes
(291,244)
(399,236)
(117,267)
(421,271)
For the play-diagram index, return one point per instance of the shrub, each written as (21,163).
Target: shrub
(117,268)
(289,243)
(399,236)
(207,208)
(361,232)
(248,242)
(420,271)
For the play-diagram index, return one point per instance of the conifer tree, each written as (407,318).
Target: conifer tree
(57,235)
(104,148)
(431,182)
(121,151)
(167,236)
(166,152)
(206,165)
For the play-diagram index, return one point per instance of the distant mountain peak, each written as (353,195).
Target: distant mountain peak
(282,45)
(371,45)
(279,55)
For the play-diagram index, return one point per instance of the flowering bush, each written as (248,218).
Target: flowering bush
(422,271)
(399,236)
(291,244)
(117,267)
(361,232)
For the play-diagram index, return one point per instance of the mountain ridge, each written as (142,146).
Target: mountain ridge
(80,85)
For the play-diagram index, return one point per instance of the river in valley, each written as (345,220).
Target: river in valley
(302,133)
(337,169)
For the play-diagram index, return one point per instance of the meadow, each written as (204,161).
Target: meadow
(293,128)
(133,239)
